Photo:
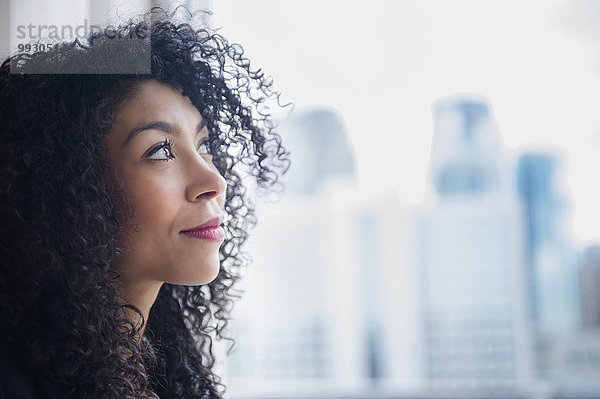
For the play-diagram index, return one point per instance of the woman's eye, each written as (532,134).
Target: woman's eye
(204,146)
(162,152)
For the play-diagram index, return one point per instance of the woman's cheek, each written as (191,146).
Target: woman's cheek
(154,197)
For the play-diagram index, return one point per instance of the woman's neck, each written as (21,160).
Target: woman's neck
(140,294)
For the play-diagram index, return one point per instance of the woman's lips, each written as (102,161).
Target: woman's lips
(210,231)
(211,223)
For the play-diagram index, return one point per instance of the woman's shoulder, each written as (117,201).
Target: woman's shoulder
(15,381)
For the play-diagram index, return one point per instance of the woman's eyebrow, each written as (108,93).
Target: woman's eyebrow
(166,127)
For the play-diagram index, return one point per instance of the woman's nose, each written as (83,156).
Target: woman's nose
(205,181)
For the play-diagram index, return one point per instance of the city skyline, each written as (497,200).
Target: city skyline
(382,67)
(363,290)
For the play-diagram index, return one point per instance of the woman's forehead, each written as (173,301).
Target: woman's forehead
(153,97)
(153,101)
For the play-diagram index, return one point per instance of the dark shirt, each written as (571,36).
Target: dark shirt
(15,380)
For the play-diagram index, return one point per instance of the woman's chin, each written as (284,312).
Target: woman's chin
(207,275)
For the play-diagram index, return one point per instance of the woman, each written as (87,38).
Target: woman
(124,210)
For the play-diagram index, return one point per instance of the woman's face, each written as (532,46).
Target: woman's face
(158,149)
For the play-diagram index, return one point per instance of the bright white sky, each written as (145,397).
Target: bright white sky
(381,64)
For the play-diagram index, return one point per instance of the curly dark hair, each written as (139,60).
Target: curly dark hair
(58,237)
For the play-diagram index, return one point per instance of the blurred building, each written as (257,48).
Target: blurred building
(551,277)
(471,257)
(589,288)
(286,315)
(578,365)
(330,296)
(578,353)
(320,151)
(376,239)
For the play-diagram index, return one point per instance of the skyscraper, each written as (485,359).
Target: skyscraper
(551,278)
(476,333)
(330,297)
(288,322)
(320,151)
(578,354)
(589,288)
